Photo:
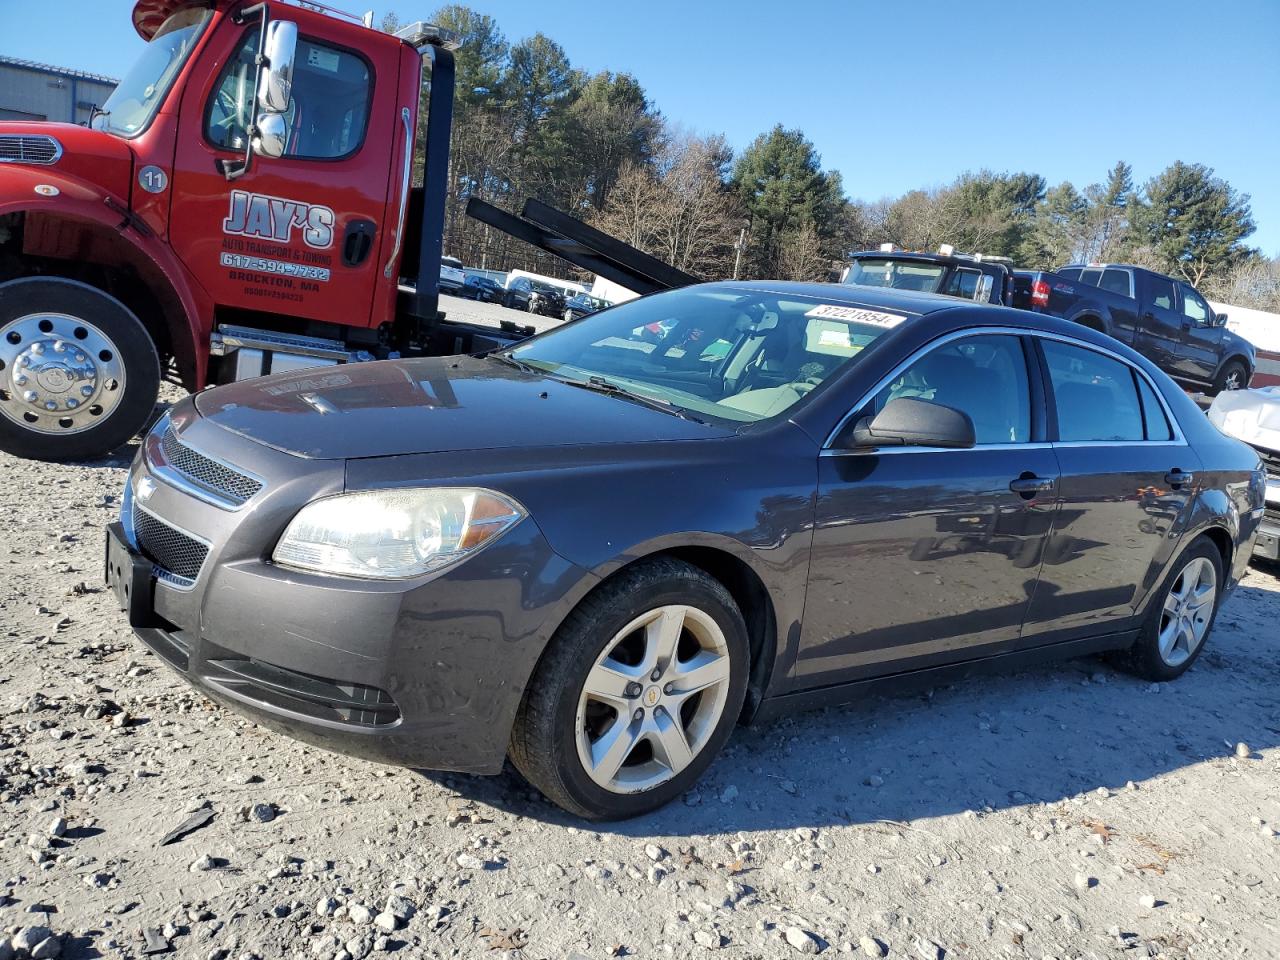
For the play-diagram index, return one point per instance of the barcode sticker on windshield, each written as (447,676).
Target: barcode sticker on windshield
(876,318)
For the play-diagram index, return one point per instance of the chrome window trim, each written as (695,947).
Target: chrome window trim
(166,576)
(1178,440)
(162,470)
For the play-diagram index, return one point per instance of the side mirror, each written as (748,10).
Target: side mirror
(276,80)
(270,135)
(1219,319)
(911,422)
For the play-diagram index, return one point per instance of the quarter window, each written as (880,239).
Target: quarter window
(984,376)
(1095,395)
(1154,420)
(327,112)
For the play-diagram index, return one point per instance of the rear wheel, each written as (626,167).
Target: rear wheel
(1233,376)
(78,371)
(1181,616)
(637,693)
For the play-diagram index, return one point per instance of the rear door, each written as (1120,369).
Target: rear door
(296,235)
(1127,480)
(924,556)
(1159,322)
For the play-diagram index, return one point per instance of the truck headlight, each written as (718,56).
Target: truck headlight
(395,534)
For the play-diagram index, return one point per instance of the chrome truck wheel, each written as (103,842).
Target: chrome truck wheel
(61,373)
(636,693)
(78,371)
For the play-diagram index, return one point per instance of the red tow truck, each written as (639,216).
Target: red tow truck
(241,204)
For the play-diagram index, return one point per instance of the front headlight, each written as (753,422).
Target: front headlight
(394,534)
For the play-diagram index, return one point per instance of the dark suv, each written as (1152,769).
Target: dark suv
(534,296)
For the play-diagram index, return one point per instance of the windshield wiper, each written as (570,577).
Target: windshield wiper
(511,361)
(601,385)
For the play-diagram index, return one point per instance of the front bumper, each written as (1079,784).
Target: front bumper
(421,673)
(1267,546)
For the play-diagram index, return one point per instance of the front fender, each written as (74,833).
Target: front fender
(26,191)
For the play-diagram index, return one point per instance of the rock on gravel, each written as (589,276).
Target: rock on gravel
(802,940)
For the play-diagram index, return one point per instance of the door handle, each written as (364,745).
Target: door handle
(1177,478)
(1028,485)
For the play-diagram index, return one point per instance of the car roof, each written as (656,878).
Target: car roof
(911,302)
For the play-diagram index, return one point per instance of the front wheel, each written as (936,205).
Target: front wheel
(1233,376)
(78,371)
(1181,616)
(636,694)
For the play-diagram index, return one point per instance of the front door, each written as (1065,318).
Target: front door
(1201,340)
(1123,503)
(296,235)
(925,556)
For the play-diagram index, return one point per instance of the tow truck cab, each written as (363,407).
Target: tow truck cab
(244,196)
(977,277)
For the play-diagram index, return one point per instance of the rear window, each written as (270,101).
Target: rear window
(897,274)
(1117,281)
(1071,273)
(1091,276)
(1161,291)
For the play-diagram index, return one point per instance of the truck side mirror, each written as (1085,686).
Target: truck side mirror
(270,136)
(912,422)
(276,81)
(1219,319)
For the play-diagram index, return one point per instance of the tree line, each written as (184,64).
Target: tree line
(527,123)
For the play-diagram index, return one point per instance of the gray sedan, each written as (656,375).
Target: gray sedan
(596,552)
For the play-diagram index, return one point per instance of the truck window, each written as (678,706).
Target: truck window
(963,283)
(1193,305)
(898,274)
(327,113)
(1117,281)
(1161,292)
(1071,273)
(1091,276)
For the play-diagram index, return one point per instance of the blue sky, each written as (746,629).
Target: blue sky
(895,96)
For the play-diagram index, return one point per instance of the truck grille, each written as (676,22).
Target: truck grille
(1270,460)
(171,549)
(29,148)
(215,476)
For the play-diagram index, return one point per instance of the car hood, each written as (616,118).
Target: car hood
(431,405)
(1249,415)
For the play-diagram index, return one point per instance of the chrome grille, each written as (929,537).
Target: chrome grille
(167,546)
(1270,460)
(215,476)
(29,148)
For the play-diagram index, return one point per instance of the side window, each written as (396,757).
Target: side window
(1153,417)
(985,376)
(1117,281)
(1193,305)
(1091,277)
(327,113)
(1071,273)
(1094,394)
(962,283)
(1161,291)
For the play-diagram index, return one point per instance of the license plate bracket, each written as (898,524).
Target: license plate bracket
(130,576)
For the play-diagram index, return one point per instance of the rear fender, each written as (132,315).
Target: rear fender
(81,209)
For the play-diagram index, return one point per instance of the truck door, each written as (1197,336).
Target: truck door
(1159,322)
(296,235)
(1201,341)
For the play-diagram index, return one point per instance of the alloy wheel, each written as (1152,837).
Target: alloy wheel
(1188,609)
(58,374)
(653,698)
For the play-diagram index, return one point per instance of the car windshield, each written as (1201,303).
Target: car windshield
(732,353)
(898,274)
(135,101)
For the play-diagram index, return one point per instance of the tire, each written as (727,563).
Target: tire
(1146,659)
(66,343)
(559,724)
(1234,375)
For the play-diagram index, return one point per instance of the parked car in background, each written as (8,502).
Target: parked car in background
(533,296)
(1164,319)
(481,288)
(596,551)
(969,277)
(583,305)
(452,276)
(1254,417)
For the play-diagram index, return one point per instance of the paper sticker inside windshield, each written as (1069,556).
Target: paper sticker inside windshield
(876,318)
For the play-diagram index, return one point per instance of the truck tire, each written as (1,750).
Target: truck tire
(1234,375)
(78,371)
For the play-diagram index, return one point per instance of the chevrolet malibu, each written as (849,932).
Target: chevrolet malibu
(596,552)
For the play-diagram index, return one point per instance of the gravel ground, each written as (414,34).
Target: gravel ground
(1055,813)
(472,311)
